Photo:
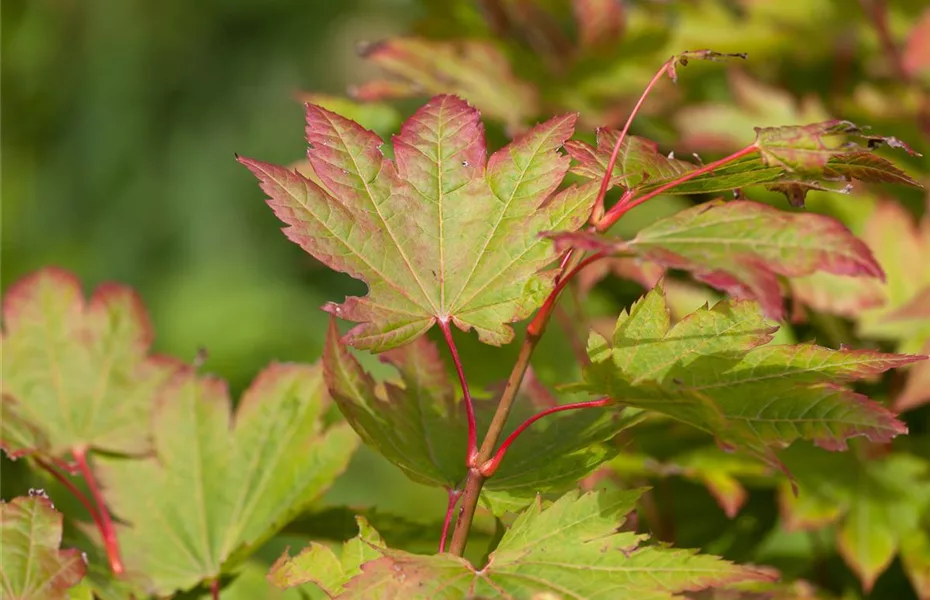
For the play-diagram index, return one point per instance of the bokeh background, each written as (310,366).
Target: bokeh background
(121,120)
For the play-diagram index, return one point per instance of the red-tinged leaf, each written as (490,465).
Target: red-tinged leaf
(418,423)
(638,160)
(807,150)
(600,22)
(715,371)
(220,483)
(838,294)
(473,69)
(441,235)
(876,503)
(720,473)
(380,117)
(32,565)
(76,373)
(682,59)
(916,391)
(916,56)
(868,167)
(741,247)
(571,547)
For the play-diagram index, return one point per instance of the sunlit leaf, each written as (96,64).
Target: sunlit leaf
(572,546)
(418,423)
(473,69)
(32,565)
(76,373)
(319,566)
(876,503)
(219,485)
(713,370)
(444,234)
(915,555)
(741,247)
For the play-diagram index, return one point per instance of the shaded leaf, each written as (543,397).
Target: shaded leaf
(473,69)
(571,547)
(741,247)
(713,370)
(600,22)
(319,566)
(876,503)
(418,423)
(441,236)
(220,485)
(76,373)
(32,566)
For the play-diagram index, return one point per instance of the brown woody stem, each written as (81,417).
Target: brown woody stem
(105,524)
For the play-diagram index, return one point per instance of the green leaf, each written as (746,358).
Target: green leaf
(473,69)
(713,370)
(75,373)
(876,503)
(220,485)
(318,566)
(32,566)
(915,554)
(418,423)
(443,234)
(571,548)
(741,247)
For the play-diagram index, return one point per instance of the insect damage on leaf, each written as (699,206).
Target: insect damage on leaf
(715,370)
(76,373)
(741,247)
(440,233)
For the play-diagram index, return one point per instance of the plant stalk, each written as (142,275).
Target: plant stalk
(472,451)
(111,543)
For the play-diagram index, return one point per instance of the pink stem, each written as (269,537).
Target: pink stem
(106,524)
(73,489)
(605,183)
(539,321)
(215,589)
(488,468)
(472,451)
(454,496)
(620,209)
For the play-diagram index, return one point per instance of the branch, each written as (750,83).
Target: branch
(621,208)
(472,452)
(488,468)
(105,524)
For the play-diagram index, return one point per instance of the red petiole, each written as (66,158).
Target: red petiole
(454,496)
(104,523)
(472,451)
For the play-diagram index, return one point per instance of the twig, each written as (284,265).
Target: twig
(106,524)
(621,208)
(489,467)
(454,496)
(472,452)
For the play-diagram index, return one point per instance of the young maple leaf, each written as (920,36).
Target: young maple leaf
(76,374)
(877,505)
(713,370)
(32,566)
(234,480)
(441,233)
(473,69)
(418,424)
(572,546)
(741,247)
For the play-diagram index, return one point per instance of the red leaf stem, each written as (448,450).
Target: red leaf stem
(472,452)
(454,496)
(105,523)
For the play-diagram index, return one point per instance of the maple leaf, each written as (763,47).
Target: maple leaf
(572,547)
(319,566)
(32,566)
(76,374)
(875,503)
(439,234)
(473,69)
(212,493)
(418,424)
(713,370)
(741,247)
